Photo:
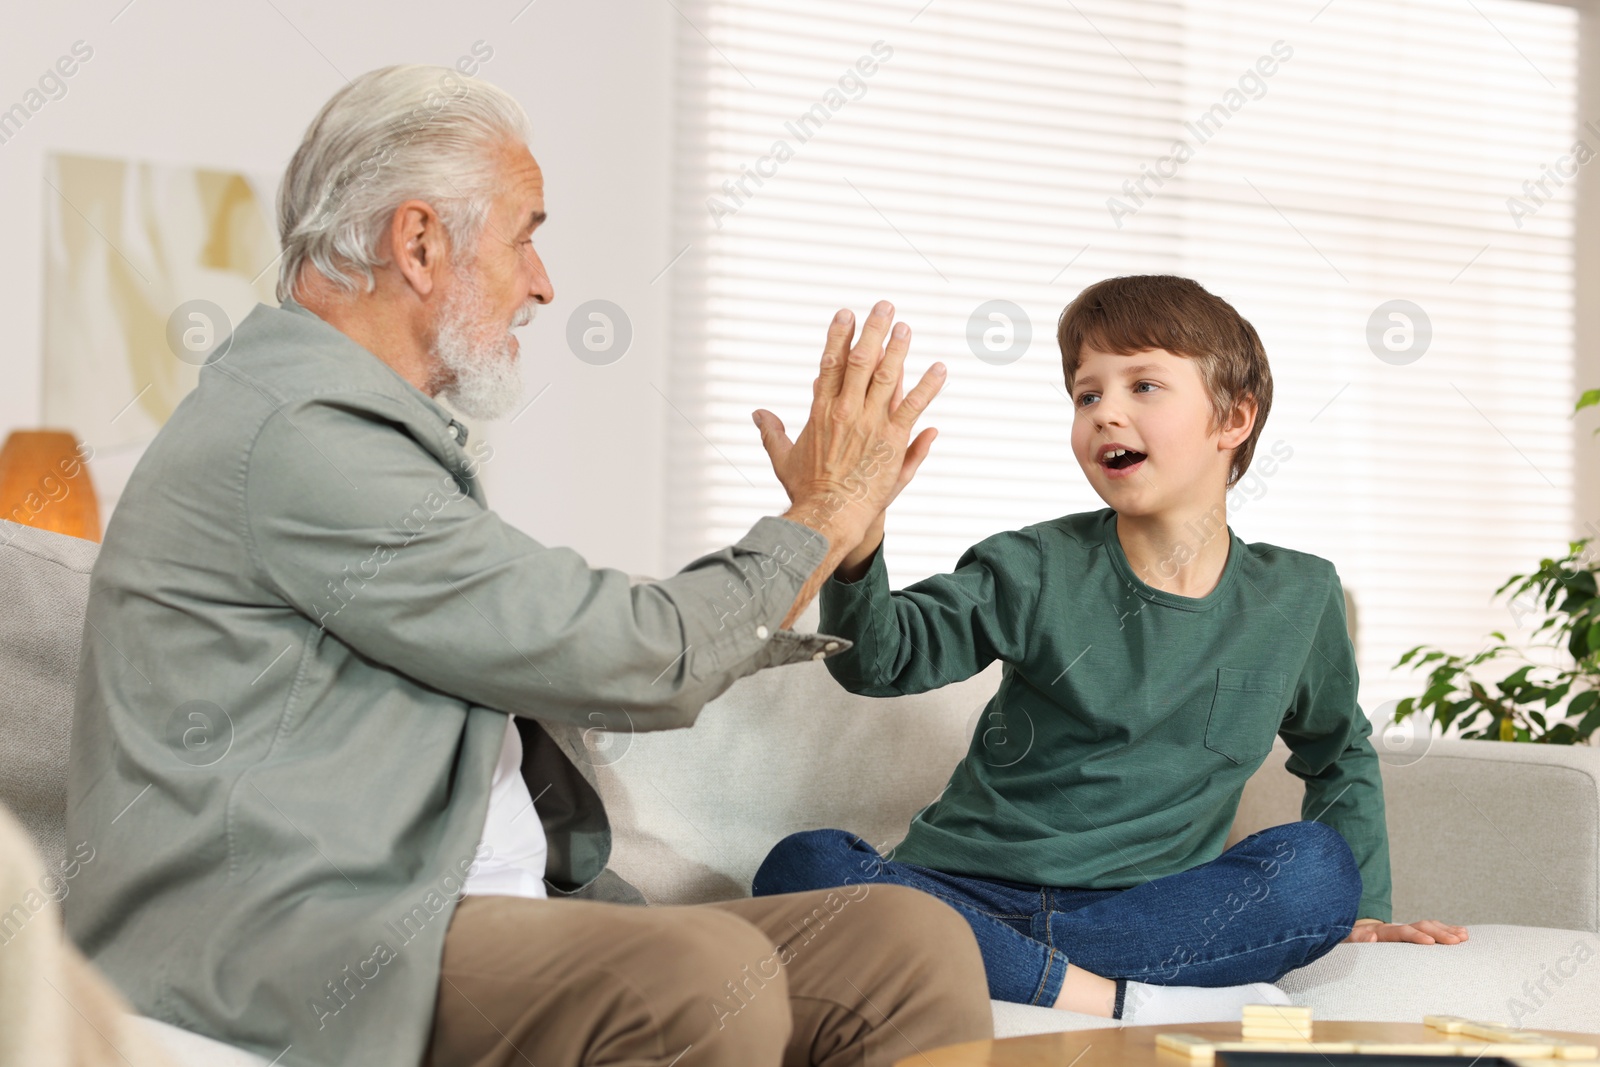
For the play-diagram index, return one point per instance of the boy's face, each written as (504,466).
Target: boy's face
(1154,405)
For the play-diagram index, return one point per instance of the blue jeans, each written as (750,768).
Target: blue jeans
(1275,901)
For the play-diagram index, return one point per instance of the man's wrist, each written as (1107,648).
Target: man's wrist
(831,522)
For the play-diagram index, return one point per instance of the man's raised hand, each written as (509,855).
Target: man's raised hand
(853,457)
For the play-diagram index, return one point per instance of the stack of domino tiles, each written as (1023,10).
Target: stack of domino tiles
(1277,1023)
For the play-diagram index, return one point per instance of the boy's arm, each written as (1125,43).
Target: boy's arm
(1332,754)
(943,629)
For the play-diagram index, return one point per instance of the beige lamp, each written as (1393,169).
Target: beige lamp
(44,482)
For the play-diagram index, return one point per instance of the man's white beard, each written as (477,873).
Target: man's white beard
(478,353)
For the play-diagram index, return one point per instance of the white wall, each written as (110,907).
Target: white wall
(1586,446)
(233,86)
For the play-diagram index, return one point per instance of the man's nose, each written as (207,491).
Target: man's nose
(539,288)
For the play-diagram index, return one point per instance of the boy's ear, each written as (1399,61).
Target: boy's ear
(1236,431)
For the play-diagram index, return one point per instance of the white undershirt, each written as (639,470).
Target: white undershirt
(514,866)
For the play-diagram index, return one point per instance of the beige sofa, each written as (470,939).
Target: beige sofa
(1503,838)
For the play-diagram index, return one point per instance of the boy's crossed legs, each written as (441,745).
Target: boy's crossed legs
(1276,901)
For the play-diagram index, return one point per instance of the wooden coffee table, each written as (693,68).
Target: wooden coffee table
(1137,1045)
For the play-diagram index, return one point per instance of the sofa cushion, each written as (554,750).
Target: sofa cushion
(1531,977)
(694,812)
(46,581)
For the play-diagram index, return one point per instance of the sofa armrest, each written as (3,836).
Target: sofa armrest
(1479,831)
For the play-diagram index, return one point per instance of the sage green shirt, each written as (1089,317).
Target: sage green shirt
(1127,719)
(305,629)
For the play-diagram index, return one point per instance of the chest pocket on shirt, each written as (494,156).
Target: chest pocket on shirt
(1245,713)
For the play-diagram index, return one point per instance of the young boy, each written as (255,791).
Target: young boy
(1150,657)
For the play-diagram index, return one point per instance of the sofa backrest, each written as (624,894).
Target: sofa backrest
(1480,832)
(45,579)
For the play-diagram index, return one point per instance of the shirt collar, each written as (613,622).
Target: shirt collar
(457,429)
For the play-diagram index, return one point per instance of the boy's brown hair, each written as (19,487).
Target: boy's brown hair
(1145,311)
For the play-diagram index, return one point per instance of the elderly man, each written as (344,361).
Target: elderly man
(323,685)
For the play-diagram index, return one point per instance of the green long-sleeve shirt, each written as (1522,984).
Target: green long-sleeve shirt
(1128,719)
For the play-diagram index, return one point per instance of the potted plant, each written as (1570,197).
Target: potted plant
(1522,706)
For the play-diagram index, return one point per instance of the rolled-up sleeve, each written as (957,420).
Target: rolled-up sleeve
(357,525)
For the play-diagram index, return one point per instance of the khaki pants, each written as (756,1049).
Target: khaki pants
(55,1009)
(863,975)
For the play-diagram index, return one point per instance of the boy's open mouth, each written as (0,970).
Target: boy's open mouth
(1121,459)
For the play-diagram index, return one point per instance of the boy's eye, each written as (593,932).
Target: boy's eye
(1084,399)
(1140,385)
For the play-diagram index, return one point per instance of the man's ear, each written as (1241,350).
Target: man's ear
(419,245)
(1236,431)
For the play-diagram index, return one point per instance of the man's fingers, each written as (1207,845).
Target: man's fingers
(834,350)
(917,401)
(890,370)
(865,356)
(773,436)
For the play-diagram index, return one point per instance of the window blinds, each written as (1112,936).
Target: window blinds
(1383,188)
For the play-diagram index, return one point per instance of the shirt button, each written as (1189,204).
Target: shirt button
(820,655)
(761,632)
(832,646)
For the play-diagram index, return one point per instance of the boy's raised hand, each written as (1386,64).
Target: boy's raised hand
(1425,932)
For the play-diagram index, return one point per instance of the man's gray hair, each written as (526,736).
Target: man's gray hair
(405,132)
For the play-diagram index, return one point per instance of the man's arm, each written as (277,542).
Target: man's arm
(1332,754)
(360,529)
(355,525)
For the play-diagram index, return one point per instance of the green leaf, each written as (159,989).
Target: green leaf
(1446,714)
(1403,660)
(1561,734)
(1437,692)
(1590,723)
(1486,654)
(1588,399)
(1515,680)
